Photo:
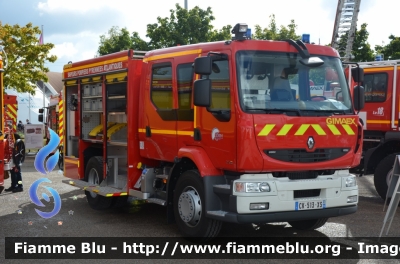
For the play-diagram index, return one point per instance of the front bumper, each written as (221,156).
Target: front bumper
(281,216)
(283,198)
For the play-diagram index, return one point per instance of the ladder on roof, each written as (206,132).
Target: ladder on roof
(379,63)
(346,23)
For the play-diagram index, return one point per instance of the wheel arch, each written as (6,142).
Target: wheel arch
(192,158)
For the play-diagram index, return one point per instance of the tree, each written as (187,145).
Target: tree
(185,27)
(272,33)
(120,39)
(26,58)
(361,49)
(182,27)
(390,51)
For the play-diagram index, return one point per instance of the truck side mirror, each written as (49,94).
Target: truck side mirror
(203,65)
(202,93)
(359,98)
(358,74)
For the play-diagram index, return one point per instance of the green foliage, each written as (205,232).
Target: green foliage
(120,39)
(361,49)
(392,50)
(182,27)
(26,58)
(272,33)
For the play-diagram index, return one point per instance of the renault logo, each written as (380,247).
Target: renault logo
(310,142)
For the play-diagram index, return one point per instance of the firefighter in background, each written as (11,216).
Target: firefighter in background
(15,153)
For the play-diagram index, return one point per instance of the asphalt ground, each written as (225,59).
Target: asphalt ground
(18,218)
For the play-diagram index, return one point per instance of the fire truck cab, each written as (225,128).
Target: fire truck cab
(216,132)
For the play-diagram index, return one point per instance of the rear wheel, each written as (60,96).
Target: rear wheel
(308,224)
(94,176)
(383,175)
(189,209)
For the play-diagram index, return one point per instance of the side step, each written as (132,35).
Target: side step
(103,191)
(157,201)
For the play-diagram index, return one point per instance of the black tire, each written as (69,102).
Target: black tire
(381,177)
(189,191)
(119,201)
(308,224)
(94,174)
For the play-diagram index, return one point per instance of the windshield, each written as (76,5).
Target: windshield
(277,82)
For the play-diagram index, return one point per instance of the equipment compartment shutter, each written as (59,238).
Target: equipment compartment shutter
(117,77)
(71,83)
(91,79)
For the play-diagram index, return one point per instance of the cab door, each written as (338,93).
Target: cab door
(161,112)
(217,123)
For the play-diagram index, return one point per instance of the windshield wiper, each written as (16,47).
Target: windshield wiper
(276,110)
(335,111)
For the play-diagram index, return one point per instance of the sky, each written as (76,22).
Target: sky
(75,26)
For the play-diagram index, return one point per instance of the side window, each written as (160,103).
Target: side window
(220,89)
(375,86)
(161,86)
(185,82)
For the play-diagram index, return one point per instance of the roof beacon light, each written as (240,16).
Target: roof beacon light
(240,31)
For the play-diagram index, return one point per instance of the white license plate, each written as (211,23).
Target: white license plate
(310,205)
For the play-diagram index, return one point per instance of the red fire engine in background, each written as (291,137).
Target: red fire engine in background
(8,113)
(10,119)
(380,118)
(227,131)
(1,125)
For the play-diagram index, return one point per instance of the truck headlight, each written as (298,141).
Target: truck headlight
(252,187)
(351,181)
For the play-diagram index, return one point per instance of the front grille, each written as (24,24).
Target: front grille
(306,193)
(297,175)
(302,156)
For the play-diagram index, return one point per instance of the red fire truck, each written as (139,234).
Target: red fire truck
(216,132)
(9,108)
(380,121)
(1,125)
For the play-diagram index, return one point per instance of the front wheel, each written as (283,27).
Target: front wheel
(189,209)
(308,224)
(94,176)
